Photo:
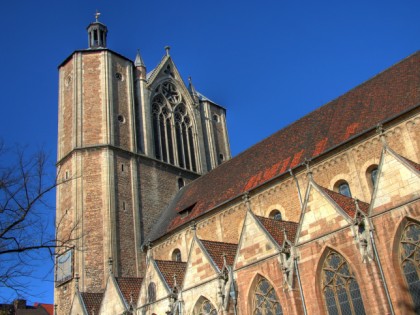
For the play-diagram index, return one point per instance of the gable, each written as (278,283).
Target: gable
(199,267)
(153,275)
(112,302)
(398,182)
(255,243)
(77,306)
(320,215)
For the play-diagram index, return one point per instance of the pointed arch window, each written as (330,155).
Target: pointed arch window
(339,287)
(265,300)
(410,260)
(173,129)
(204,307)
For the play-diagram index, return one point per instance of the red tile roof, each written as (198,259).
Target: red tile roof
(130,288)
(92,301)
(169,268)
(346,203)
(385,96)
(216,251)
(276,228)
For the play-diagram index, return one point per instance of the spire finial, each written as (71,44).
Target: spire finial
(97,15)
(167,49)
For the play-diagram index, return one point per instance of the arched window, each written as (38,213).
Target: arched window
(339,287)
(204,307)
(372,175)
(275,214)
(176,255)
(265,300)
(343,188)
(151,292)
(410,260)
(173,128)
(181,183)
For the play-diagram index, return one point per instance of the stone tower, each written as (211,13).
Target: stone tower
(128,140)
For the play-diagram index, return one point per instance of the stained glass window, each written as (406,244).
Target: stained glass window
(266,301)
(410,261)
(339,287)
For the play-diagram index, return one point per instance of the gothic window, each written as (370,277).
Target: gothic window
(205,307)
(176,255)
(265,300)
(275,214)
(339,287)
(173,128)
(151,292)
(410,261)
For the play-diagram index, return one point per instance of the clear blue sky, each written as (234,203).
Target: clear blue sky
(268,62)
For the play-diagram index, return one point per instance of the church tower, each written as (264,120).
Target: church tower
(128,140)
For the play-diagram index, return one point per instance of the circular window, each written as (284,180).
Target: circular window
(121,119)
(216,118)
(118,76)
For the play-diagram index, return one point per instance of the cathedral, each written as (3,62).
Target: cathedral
(322,217)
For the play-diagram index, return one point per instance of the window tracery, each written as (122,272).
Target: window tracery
(265,299)
(410,260)
(173,128)
(339,287)
(205,307)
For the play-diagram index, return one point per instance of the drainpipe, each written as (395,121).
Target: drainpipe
(300,288)
(381,271)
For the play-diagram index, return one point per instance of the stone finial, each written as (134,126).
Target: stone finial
(175,284)
(167,49)
(110,265)
(76,281)
(224,259)
(308,168)
(381,131)
(246,199)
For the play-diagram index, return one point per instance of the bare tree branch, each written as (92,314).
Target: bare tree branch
(27,219)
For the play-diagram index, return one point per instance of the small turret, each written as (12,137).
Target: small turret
(97,33)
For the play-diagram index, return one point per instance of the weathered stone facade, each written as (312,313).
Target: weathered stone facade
(322,217)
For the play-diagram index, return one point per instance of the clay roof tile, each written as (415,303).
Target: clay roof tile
(169,268)
(216,251)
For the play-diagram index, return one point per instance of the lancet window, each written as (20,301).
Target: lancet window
(410,260)
(173,128)
(339,287)
(265,299)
